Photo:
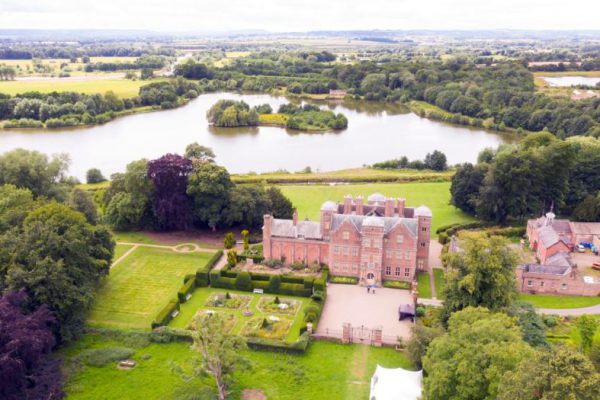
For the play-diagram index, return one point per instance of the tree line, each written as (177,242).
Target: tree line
(528,179)
(500,96)
(182,192)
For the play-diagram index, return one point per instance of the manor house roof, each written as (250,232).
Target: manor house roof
(388,222)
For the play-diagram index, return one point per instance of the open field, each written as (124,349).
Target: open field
(201,296)
(122,87)
(140,285)
(546,301)
(25,67)
(348,175)
(327,371)
(309,198)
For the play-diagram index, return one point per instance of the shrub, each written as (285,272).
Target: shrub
(101,357)
(550,320)
(344,280)
(232,258)
(318,296)
(298,347)
(93,175)
(165,315)
(245,239)
(228,242)
(420,311)
(186,289)
(274,284)
(297,265)
(319,284)
(397,284)
(243,281)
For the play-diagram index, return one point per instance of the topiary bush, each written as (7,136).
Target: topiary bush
(243,281)
(101,357)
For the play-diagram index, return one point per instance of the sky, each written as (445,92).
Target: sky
(300,15)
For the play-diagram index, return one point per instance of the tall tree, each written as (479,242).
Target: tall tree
(82,201)
(481,274)
(171,205)
(209,187)
(587,325)
(560,373)
(469,360)
(196,152)
(219,351)
(34,171)
(59,259)
(26,369)
(281,206)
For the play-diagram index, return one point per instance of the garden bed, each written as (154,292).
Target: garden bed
(397,285)
(276,305)
(227,300)
(270,327)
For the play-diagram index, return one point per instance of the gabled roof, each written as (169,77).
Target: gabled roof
(546,269)
(389,223)
(305,229)
(586,228)
(548,236)
(560,259)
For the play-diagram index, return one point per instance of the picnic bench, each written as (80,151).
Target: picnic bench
(258,291)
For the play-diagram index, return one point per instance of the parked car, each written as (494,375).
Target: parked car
(580,248)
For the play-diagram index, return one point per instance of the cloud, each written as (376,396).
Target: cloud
(298,15)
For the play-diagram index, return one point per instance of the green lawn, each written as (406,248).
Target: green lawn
(309,198)
(423,285)
(201,295)
(121,249)
(134,237)
(545,301)
(171,239)
(438,280)
(327,371)
(122,87)
(141,285)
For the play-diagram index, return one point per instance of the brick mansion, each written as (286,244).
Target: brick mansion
(379,240)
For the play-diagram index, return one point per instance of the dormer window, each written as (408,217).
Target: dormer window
(400,239)
(346,235)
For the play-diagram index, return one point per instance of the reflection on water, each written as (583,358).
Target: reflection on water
(571,80)
(376,132)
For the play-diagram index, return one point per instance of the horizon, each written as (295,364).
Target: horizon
(308,15)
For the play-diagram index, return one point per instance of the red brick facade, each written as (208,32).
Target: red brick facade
(380,240)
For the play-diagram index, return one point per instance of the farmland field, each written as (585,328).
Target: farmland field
(309,198)
(140,285)
(122,87)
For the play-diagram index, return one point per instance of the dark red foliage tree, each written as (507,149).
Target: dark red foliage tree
(171,205)
(27,370)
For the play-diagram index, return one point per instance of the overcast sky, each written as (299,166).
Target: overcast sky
(300,15)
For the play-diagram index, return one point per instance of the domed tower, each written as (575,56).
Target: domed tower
(423,215)
(327,210)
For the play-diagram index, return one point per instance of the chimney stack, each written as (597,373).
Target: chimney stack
(401,205)
(389,207)
(359,205)
(347,204)
(295,217)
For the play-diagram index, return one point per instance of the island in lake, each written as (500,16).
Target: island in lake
(307,117)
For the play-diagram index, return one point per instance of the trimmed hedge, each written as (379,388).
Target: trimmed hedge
(344,280)
(274,284)
(397,284)
(165,315)
(186,289)
(202,274)
(297,347)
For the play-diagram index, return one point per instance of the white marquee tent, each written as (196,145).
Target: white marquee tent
(395,384)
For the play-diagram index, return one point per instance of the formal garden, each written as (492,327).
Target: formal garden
(250,314)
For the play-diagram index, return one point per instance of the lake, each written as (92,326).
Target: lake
(571,80)
(376,132)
